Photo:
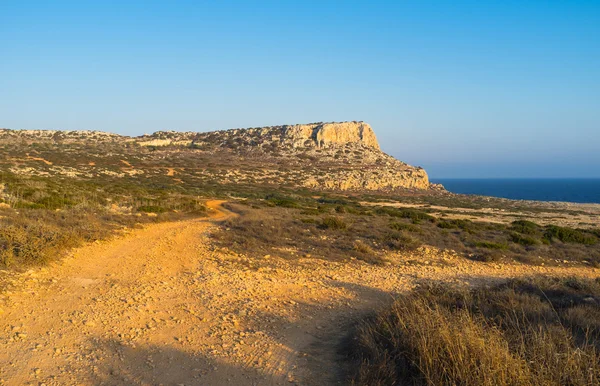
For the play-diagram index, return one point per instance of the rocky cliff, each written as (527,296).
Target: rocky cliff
(331,134)
(342,156)
(333,156)
(317,135)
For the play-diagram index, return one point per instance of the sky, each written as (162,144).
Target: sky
(471,89)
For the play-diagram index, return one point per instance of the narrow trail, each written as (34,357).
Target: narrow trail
(161,305)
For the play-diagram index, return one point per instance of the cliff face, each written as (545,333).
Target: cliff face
(332,134)
(333,156)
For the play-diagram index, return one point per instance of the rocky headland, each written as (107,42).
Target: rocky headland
(343,156)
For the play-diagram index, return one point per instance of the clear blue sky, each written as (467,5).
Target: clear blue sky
(463,88)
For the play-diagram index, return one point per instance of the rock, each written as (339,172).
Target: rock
(331,134)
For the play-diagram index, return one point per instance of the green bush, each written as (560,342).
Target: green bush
(416,216)
(284,202)
(523,240)
(405,227)
(447,224)
(525,227)
(402,241)
(334,223)
(490,245)
(595,231)
(466,225)
(569,235)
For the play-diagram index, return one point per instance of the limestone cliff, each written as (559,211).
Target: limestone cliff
(341,156)
(334,156)
(331,134)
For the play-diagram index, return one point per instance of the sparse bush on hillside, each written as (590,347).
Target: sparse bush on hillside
(523,240)
(525,227)
(466,225)
(287,233)
(490,245)
(284,202)
(569,235)
(480,241)
(362,247)
(415,216)
(402,241)
(334,223)
(405,227)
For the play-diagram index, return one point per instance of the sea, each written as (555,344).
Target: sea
(569,190)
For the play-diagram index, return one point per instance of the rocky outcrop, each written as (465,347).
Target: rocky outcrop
(7,135)
(341,156)
(331,134)
(383,179)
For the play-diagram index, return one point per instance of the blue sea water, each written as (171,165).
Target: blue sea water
(570,190)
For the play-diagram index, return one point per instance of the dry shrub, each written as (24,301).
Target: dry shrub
(523,333)
(361,247)
(334,223)
(36,236)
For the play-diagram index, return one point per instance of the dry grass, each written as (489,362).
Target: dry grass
(308,224)
(535,332)
(36,236)
(287,232)
(42,217)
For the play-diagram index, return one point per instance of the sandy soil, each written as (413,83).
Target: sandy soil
(571,214)
(161,305)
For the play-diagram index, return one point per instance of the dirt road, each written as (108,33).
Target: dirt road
(161,306)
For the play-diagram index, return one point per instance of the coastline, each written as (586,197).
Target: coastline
(550,190)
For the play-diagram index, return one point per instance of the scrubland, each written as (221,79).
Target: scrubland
(391,287)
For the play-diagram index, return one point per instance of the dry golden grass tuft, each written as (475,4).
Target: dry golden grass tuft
(533,332)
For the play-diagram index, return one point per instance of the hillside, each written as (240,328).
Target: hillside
(250,256)
(323,156)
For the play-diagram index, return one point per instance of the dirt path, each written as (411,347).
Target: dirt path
(161,306)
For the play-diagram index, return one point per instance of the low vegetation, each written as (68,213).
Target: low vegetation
(329,227)
(58,195)
(41,218)
(540,331)
(37,236)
